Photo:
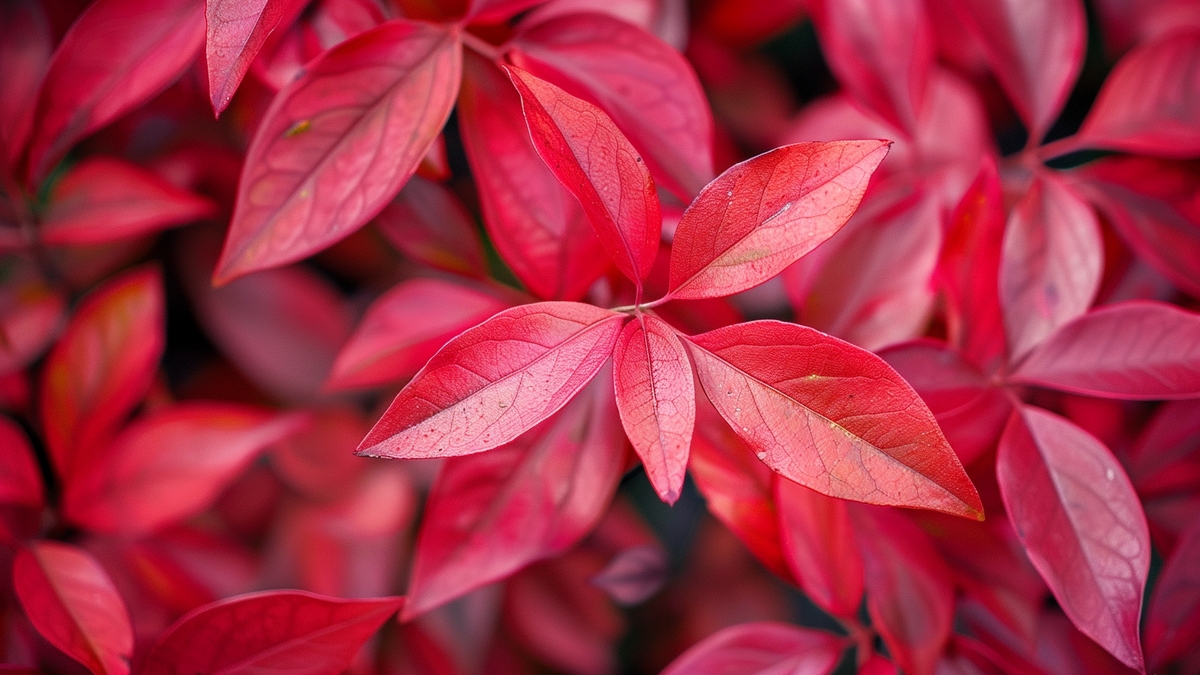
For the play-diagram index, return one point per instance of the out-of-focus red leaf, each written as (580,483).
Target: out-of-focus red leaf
(910,593)
(648,88)
(592,158)
(1131,350)
(495,381)
(818,543)
(668,19)
(20,478)
(877,665)
(1051,262)
(117,55)
(237,29)
(748,22)
(1148,104)
(25,49)
(764,648)
(538,227)
(762,215)
(496,11)
(1080,521)
(657,399)
(429,224)
(320,462)
(635,574)
(491,514)
(276,631)
(882,51)
(1035,49)
(169,465)
(31,314)
(102,366)
(969,271)
(404,328)
(337,144)
(795,395)
(1173,619)
(72,603)
(737,488)
(103,199)
(1164,465)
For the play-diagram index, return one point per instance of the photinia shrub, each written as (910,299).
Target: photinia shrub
(708,337)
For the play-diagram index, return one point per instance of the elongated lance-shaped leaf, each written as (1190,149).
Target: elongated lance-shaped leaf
(237,30)
(337,144)
(592,158)
(762,648)
(831,416)
(496,381)
(764,214)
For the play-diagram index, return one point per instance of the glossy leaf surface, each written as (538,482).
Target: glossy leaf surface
(592,158)
(1080,521)
(1130,350)
(276,631)
(337,144)
(760,649)
(657,400)
(237,30)
(72,603)
(495,381)
(797,396)
(762,215)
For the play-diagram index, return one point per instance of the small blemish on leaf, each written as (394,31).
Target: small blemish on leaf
(298,128)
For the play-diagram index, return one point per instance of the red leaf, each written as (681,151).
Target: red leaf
(169,465)
(657,399)
(1148,104)
(320,463)
(1080,521)
(818,543)
(102,366)
(271,631)
(427,223)
(1035,49)
(237,29)
(337,144)
(882,51)
(25,49)
(72,603)
(1051,262)
(496,11)
(491,514)
(117,55)
(762,215)
(1173,620)
(404,328)
(796,396)
(910,594)
(763,648)
(635,574)
(32,313)
(20,478)
(103,199)
(648,88)
(537,226)
(1131,350)
(593,159)
(496,381)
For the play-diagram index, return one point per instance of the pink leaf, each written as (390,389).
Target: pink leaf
(1148,104)
(337,144)
(1035,49)
(657,399)
(491,514)
(635,574)
(818,543)
(495,381)
(1173,620)
(762,215)
(593,159)
(1131,350)
(427,223)
(102,366)
(237,29)
(271,631)
(103,199)
(20,478)
(764,648)
(117,55)
(648,88)
(496,11)
(72,603)
(1051,262)
(1080,521)
(169,465)
(404,328)
(797,397)
(538,227)
(25,49)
